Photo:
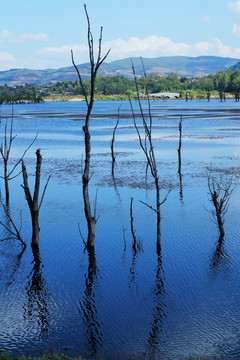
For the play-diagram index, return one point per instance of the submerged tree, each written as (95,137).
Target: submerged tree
(33,201)
(180,146)
(220,193)
(112,144)
(91,219)
(180,156)
(5,150)
(147,146)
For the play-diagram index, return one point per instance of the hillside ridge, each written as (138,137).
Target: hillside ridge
(181,65)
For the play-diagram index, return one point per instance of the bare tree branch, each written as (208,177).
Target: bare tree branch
(45,188)
(5,153)
(16,233)
(149,206)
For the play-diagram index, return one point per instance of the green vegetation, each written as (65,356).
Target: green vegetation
(119,87)
(20,94)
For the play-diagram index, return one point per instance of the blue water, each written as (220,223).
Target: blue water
(117,303)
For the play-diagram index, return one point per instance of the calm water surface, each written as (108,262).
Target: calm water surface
(117,303)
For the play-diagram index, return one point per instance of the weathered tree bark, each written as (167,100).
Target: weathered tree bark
(91,220)
(33,202)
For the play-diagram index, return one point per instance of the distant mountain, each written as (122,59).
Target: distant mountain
(235,66)
(181,65)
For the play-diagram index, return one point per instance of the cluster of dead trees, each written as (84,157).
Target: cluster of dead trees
(32,200)
(219,192)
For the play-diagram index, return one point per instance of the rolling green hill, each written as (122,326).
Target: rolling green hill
(183,66)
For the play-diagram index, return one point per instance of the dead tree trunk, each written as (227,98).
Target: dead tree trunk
(112,144)
(180,146)
(134,245)
(91,219)
(33,202)
(148,149)
(180,157)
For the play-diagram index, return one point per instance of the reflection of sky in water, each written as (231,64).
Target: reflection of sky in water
(191,306)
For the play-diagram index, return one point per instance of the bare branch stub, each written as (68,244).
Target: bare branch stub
(91,219)
(112,142)
(33,201)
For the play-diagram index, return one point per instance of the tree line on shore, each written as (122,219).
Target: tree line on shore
(214,84)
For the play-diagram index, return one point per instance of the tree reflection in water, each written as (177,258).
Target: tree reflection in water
(219,260)
(136,250)
(87,306)
(15,269)
(158,313)
(36,306)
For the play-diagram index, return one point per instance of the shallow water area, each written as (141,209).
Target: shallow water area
(117,302)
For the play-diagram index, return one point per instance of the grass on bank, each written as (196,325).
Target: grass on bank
(58,357)
(44,357)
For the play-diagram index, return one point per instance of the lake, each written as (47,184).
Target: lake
(117,303)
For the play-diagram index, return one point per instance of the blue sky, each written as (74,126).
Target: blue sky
(40,34)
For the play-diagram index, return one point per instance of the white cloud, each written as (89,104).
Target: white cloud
(63,50)
(206,19)
(6,35)
(234,8)
(33,37)
(154,46)
(236,30)
(5,56)
(6,60)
